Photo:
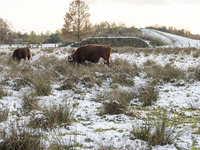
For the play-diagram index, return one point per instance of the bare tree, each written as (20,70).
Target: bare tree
(4,30)
(77,21)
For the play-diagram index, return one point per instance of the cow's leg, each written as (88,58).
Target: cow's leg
(107,61)
(19,59)
(96,60)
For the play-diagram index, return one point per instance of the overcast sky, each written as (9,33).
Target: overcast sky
(44,15)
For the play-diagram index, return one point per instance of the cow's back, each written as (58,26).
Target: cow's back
(21,53)
(92,53)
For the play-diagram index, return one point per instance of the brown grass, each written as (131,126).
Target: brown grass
(4,114)
(167,73)
(116,101)
(148,95)
(51,118)
(19,139)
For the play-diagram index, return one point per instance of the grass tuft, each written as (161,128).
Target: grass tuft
(148,95)
(51,118)
(19,139)
(159,135)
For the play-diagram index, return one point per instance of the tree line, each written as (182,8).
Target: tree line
(103,29)
(77,26)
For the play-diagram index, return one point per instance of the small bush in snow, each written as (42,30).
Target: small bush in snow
(4,114)
(58,115)
(51,117)
(122,73)
(117,101)
(158,135)
(113,107)
(68,84)
(2,93)
(197,73)
(148,95)
(122,79)
(196,53)
(48,50)
(19,139)
(123,66)
(167,73)
(41,84)
(29,102)
(20,83)
(87,81)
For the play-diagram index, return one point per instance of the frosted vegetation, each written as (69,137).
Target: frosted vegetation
(148,98)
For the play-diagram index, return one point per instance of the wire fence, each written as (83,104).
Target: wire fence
(8,46)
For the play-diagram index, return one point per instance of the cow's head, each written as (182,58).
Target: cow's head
(70,58)
(14,56)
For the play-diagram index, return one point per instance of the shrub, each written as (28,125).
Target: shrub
(99,74)
(57,67)
(67,84)
(123,79)
(159,135)
(196,54)
(58,115)
(122,72)
(117,101)
(170,72)
(197,73)
(49,49)
(20,82)
(87,81)
(113,107)
(61,67)
(166,73)
(51,118)
(29,102)
(4,114)
(148,95)
(41,84)
(2,93)
(38,120)
(122,66)
(19,139)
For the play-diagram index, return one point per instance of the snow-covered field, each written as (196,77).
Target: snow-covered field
(171,39)
(89,129)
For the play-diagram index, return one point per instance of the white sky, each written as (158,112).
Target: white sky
(48,15)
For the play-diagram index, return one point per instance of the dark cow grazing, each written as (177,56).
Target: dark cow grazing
(92,53)
(21,53)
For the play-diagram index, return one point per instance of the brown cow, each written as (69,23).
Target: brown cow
(92,53)
(21,53)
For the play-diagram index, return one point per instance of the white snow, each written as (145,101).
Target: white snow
(171,39)
(93,131)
